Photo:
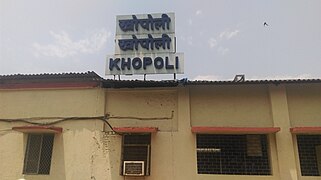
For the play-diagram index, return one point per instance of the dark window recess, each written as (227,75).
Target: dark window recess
(38,154)
(136,147)
(232,154)
(310,154)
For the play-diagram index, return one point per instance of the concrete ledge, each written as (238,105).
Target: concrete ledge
(135,129)
(305,130)
(235,130)
(38,129)
(49,85)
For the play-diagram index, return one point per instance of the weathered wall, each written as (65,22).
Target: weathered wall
(144,108)
(51,103)
(76,150)
(89,150)
(239,106)
(293,105)
(173,153)
(141,108)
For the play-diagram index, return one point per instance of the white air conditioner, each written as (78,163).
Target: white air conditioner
(133,168)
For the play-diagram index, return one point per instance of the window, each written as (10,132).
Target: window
(232,154)
(38,154)
(309,147)
(136,154)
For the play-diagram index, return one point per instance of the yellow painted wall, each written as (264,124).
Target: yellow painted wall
(139,108)
(173,153)
(304,104)
(51,103)
(284,142)
(11,154)
(131,104)
(238,106)
(77,150)
(90,150)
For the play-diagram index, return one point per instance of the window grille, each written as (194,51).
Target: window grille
(232,154)
(309,147)
(38,154)
(136,147)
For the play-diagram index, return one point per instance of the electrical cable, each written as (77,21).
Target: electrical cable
(141,118)
(58,120)
(62,119)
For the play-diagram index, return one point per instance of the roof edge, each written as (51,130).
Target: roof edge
(51,81)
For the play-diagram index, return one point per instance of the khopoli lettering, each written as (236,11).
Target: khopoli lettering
(137,63)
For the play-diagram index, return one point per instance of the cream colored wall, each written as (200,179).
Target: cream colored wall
(284,141)
(78,151)
(11,154)
(304,104)
(139,108)
(129,105)
(51,103)
(173,153)
(227,105)
(85,151)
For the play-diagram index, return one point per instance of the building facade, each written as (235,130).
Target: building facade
(80,126)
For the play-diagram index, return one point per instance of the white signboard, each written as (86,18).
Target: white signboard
(163,63)
(145,44)
(161,23)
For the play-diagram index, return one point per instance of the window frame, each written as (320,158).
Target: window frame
(266,147)
(147,163)
(45,151)
(299,155)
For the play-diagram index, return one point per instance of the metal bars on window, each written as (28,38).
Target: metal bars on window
(38,154)
(309,147)
(232,154)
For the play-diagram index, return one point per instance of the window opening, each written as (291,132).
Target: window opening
(232,154)
(136,154)
(309,147)
(38,154)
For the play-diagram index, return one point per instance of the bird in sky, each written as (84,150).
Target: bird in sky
(265,24)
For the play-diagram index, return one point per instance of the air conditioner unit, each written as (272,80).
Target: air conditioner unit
(133,168)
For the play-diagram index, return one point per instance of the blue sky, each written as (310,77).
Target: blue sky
(219,38)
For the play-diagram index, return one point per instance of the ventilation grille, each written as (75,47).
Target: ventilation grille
(134,168)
